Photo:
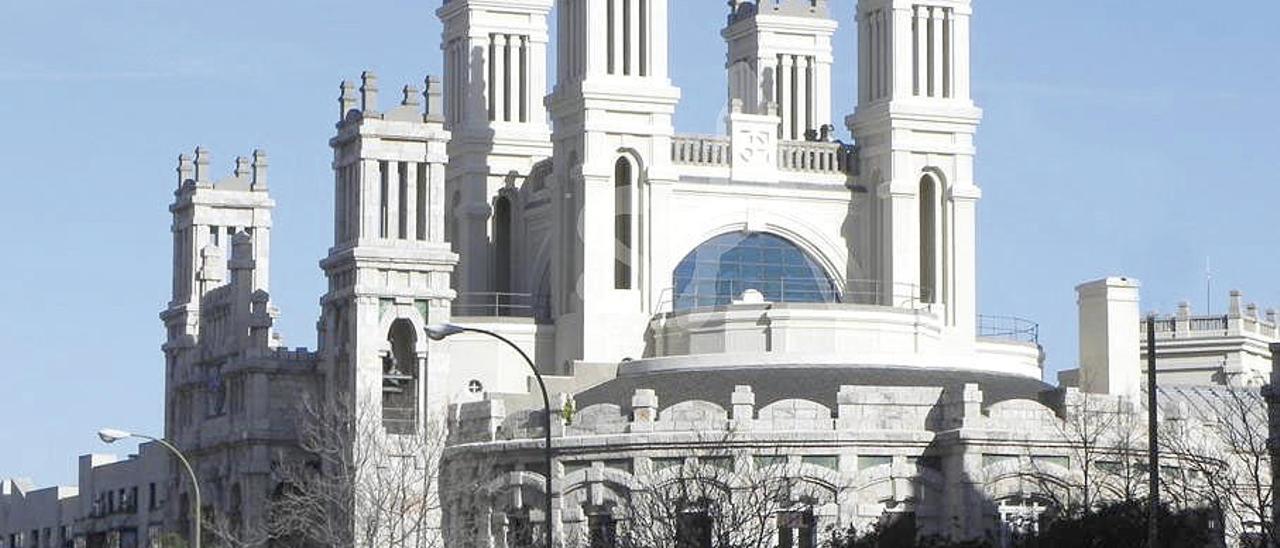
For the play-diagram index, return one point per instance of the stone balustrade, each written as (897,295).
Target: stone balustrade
(701,150)
(858,408)
(814,157)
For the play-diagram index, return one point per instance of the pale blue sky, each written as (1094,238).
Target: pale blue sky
(1121,137)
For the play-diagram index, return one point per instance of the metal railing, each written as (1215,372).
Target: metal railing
(502,305)
(1009,328)
(708,292)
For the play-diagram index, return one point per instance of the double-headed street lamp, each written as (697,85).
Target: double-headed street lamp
(439,332)
(108,435)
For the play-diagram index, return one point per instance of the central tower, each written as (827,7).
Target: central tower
(612,114)
(914,125)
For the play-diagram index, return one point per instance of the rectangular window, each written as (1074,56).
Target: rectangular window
(151,496)
(603,531)
(693,530)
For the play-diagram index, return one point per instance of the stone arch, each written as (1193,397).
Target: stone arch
(401,378)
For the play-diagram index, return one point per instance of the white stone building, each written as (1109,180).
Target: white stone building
(767,301)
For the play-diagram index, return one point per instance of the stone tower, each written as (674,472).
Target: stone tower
(780,53)
(612,111)
(206,215)
(495,59)
(389,267)
(914,125)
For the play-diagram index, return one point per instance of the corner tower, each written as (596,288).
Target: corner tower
(780,53)
(914,125)
(612,111)
(207,213)
(390,265)
(495,78)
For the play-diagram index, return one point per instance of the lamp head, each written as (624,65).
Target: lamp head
(440,331)
(109,435)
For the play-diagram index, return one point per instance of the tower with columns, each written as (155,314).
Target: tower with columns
(780,53)
(612,111)
(390,265)
(495,79)
(915,124)
(207,213)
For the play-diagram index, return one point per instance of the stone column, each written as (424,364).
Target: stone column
(786,99)
(921,22)
(500,96)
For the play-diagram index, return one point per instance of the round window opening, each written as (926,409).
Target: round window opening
(723,268)
(475,386)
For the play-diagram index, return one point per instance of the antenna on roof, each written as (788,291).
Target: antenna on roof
(1208,287)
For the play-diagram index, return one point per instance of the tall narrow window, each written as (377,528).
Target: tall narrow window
(622,224)
(502,246)
(928,239)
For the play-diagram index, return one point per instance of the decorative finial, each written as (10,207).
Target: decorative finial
(186,169)
(347,100)
(435,99)
(202,166)
(259,169)
(369,93)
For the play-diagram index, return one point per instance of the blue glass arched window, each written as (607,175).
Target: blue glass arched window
(719,270)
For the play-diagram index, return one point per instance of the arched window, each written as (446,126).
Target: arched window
(622,175)
(399,379)
(722,268)
(502,244)
(929,205)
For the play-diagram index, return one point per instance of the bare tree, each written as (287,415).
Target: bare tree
(1105,440)
(723,498)
(357,484)
(1223,459)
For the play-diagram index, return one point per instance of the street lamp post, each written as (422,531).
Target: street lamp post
(439,332)
(108,435)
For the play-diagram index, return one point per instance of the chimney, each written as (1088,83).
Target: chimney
(1110,354)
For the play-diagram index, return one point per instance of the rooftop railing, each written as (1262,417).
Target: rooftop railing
(814,157)
(708,292)
(1008,328)
(502,305)
(819,157)
(701,150)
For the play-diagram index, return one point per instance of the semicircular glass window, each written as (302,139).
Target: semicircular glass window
(722,268)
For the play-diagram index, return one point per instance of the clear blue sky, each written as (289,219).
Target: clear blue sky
(1134,137)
